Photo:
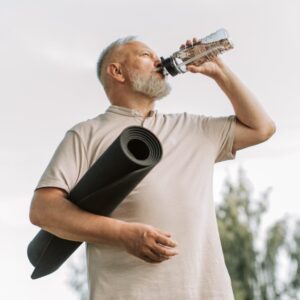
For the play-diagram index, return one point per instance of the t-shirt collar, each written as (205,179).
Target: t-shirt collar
(121,110)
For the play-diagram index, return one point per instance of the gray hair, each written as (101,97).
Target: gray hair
(109,49)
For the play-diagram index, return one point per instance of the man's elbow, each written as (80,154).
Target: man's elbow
(34,214)
(38,209)
(43,205)
(267,131)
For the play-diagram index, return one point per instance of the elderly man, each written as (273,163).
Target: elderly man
(162,241)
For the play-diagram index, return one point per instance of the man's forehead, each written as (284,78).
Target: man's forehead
(134,46)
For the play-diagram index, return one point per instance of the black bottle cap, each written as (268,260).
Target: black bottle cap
(168,63)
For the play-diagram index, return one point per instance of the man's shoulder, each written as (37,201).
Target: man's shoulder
(184,116)
(88,126)
(195,121)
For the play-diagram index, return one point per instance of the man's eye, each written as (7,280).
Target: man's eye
(146,54)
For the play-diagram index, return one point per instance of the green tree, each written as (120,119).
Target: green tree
(256,259)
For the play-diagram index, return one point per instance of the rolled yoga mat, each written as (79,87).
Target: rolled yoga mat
(103,187)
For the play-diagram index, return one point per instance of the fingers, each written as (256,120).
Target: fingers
(195,40)
(161,248)
(189,43)
(168,234)
(149,243)
(151,258)
(165,241)
(194,69)
(158,254)
(164,251)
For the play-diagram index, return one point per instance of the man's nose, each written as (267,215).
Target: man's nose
(157,62)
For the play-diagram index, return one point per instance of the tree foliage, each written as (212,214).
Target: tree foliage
(262,265)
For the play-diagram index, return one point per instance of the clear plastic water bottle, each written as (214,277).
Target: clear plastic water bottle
(204,50)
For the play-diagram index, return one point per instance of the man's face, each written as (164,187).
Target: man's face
(140,65)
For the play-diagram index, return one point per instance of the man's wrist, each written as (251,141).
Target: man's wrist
(119,228)
(223,75)
(109,231)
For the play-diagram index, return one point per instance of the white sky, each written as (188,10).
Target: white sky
(48,54)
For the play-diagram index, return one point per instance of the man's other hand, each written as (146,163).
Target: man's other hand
(148,243)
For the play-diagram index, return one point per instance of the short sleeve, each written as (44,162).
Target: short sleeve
(220,131)
(67,165)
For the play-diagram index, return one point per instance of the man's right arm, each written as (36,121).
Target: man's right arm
(52,211)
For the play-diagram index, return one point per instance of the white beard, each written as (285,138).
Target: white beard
(152,86)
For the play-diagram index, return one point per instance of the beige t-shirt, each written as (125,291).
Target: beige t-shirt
(176,196)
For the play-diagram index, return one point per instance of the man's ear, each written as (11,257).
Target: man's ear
(115,71)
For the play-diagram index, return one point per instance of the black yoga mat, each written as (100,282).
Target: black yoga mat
(109,180)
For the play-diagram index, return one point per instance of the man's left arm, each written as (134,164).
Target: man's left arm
(253,124)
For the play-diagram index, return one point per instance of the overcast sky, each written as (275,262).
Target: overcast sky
(48,81)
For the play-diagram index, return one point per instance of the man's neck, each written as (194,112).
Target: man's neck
(140,104)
